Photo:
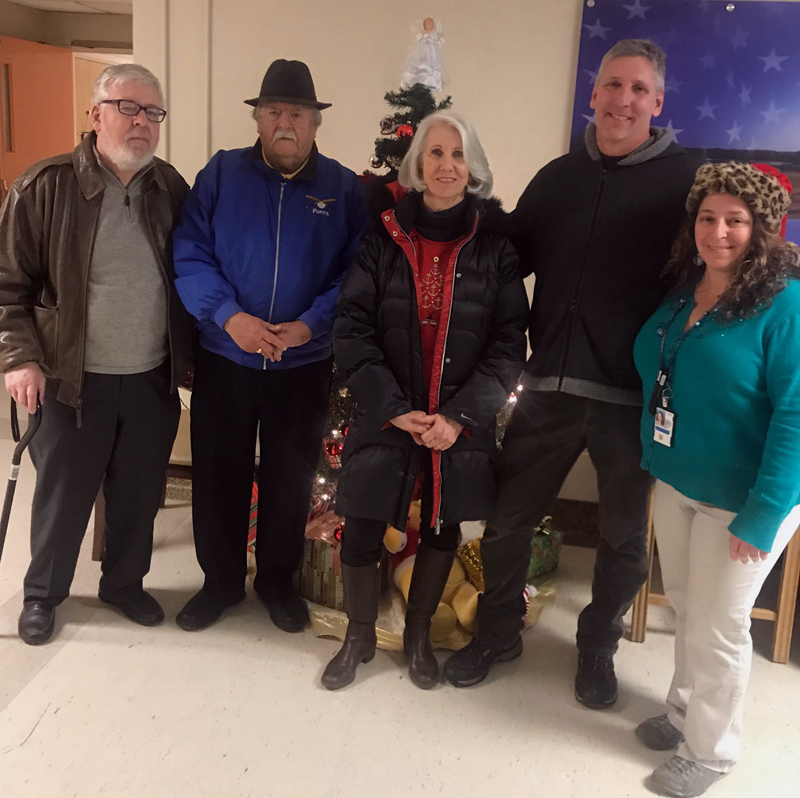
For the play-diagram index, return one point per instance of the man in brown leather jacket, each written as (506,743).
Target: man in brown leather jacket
(91,327)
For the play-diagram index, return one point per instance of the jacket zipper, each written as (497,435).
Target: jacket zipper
(277,255)
(576,293)
(81,372)
(438,527)
(165,277)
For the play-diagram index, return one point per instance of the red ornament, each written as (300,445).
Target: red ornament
(337,533)
(333,452)
(405,131)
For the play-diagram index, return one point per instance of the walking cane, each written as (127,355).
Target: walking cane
(16,459)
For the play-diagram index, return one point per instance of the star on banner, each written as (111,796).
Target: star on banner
(734,133)
(707,110)
(597,30)
(752,145)
(673,85)
(773,61)
(744,95)
(674,130)
(772,114)
(672,36)
(739,39)
(592,118)
(709,60)
(637,10)
(592,73)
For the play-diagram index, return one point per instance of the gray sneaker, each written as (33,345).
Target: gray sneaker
(683,778)
(659,734)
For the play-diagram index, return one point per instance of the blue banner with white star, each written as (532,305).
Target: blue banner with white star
(733,75)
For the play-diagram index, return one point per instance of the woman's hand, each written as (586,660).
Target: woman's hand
(415,423)
(744,552)
(443,433)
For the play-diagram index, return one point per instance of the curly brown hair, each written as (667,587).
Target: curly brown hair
(757,277)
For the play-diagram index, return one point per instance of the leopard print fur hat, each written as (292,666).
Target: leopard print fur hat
(764,193)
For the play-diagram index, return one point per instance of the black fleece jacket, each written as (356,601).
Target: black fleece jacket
(597,238)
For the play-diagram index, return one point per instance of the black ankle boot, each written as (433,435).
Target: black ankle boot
(361,593)
(431,569)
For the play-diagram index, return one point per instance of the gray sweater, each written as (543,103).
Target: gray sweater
(126,326)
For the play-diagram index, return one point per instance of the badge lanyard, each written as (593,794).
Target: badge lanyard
(664,418)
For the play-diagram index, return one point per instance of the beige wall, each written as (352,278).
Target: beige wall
(113,31)
(21,22)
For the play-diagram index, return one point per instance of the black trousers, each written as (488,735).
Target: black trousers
(362,538)
(128,425)
(230,404)
(547,433)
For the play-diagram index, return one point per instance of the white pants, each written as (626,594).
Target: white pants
(712,596)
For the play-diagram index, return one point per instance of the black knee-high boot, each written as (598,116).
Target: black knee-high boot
(431,569)
(362,586)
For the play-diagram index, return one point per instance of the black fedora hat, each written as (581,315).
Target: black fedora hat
(288,82)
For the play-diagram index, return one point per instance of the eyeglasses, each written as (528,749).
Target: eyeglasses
(130,108)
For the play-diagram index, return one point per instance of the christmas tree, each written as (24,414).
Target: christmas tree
(397,130)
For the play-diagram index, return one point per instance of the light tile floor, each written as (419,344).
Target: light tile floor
(112,709)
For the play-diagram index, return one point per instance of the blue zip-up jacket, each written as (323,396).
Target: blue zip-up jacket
(250,240)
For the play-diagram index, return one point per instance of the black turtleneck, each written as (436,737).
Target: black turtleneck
(446,225)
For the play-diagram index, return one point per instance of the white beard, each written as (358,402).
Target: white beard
(125,160)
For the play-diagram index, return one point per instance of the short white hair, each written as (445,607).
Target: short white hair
(480,180)
(316,114)
(120,73)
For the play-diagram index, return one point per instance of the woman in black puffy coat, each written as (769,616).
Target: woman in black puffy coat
(431,339)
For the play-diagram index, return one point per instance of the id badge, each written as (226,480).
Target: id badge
(664,427)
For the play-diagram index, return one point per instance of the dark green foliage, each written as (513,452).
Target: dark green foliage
(412,105)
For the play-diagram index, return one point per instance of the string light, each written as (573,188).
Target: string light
(321,480)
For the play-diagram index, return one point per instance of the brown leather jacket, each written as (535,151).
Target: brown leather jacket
(47,228)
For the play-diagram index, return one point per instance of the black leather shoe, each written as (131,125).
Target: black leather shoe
(289,613)
(202,610)
(471,665)
(36,623)
(596,682)
(139,606)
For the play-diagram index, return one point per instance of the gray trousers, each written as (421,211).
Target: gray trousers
(546,435)
(128,424)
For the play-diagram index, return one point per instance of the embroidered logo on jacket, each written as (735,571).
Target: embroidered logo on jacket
(320,206)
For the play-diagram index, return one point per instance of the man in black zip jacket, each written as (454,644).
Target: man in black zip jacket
(596,227)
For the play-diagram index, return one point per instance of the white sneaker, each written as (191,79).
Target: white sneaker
(683,778)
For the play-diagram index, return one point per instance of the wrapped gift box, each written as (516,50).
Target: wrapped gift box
(321,569)
(545,554)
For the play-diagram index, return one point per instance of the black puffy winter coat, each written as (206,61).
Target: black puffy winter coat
(478,358)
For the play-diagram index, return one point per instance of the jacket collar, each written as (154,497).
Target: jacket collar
(407,209)
(307,173)
(658,143)
(90,177)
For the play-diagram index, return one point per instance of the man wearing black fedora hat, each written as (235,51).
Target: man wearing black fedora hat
(265,238)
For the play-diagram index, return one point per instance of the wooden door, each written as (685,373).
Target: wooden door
(36,104)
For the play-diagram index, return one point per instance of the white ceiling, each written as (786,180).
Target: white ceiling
(81,6)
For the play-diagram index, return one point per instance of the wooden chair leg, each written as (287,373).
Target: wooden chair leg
(99,539)
(639,612)
(787,601)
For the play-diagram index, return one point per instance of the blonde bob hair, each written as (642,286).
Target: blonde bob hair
(480,180)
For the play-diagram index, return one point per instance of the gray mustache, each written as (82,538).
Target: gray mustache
(284,134)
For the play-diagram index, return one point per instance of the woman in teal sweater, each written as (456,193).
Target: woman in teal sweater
(720,365)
